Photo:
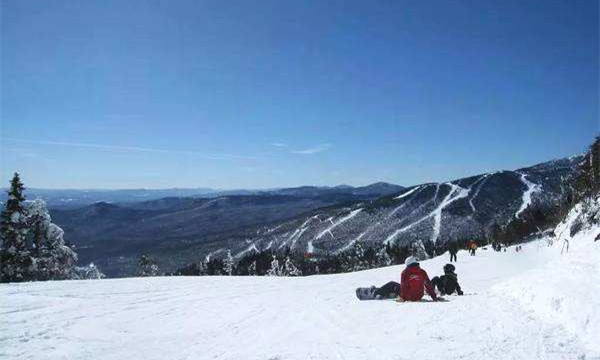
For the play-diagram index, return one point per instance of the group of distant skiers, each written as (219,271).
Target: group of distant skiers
(453,249)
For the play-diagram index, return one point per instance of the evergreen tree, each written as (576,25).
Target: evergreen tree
(419,250)
(228,264)
(38,220)
(215,267)
(54,260)
(202,268)
(252,268)
(289,269)
(147,266)
(357,258)
(16,263)
(587,182)
(275,270)
(90,272)
(383,257)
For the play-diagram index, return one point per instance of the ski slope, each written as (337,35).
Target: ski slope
(532,188)
(535,304)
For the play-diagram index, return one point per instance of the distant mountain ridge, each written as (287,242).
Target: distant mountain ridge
(73,198)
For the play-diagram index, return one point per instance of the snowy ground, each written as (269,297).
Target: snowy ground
(503,315)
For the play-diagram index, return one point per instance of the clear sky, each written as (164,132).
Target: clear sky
(257,94)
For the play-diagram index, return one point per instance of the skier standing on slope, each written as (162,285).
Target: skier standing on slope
(448,283)
(453,249)
(414,281)
(472,247)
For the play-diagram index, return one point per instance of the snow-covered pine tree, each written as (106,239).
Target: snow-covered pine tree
(419,251)
(54,259)
(147,266)
(16,263)
(252,268)
(383,258)
(59,258)
(289,269)
(228,264)
(90,272)
(38,220)
(357,258)
(202,268)
(275,269)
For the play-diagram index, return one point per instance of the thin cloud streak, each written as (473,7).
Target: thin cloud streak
(313,150)
(132,149)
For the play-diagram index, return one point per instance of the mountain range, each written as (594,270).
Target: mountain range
(312,220)
(76,198)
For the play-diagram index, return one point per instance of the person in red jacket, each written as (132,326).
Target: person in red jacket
(414,282)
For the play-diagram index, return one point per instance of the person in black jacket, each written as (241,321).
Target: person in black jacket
(448,283)
(453,249)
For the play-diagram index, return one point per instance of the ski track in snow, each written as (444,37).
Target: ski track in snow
(416,210)
(408,192)
(449,199)
(252,247)
(207,258)
(259,318)
(406,202)
(527,195)
(482,180)
(273,229)
(310,248)
(298,233)
(456,192)
(352,214)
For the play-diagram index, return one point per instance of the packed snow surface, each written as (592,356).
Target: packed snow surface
(535,304)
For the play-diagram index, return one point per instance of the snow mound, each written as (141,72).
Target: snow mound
(566,290)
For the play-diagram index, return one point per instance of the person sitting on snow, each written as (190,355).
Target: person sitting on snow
(448,283)
(414,282)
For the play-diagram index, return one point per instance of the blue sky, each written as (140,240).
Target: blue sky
(258,94)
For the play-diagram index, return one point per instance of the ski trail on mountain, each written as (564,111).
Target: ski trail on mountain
(416,210)
(352,214)
(298,232)
(449,199)
(527,195)
(273,229)
(482,180)
(408,193)
(357,239)
(310,247)
(252,247)
(456,192)
(406,202)
(207,258)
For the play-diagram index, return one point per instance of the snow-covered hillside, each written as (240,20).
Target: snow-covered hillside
(535,304)
(437,212)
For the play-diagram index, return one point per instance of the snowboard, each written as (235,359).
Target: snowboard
(366,293)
